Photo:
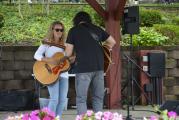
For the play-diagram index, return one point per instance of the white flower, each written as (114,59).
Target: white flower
(98,115)
(116,116)
(57,118)
(144,118)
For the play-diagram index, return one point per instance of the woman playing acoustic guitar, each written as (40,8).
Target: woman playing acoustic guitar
(54,43)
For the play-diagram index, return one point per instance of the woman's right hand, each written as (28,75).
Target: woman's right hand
(72,59)
(50,61)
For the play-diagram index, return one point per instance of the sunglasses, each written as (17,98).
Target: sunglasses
(57,30)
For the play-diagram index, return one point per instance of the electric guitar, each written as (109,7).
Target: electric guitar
(47,73)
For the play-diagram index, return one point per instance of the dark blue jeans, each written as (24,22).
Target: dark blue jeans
(83,81)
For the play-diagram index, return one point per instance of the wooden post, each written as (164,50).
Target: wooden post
(112,16)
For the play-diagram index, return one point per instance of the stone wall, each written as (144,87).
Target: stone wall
(171,82)
(16,64)
(16,67)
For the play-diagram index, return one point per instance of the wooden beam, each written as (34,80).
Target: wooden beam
(112,5)
(99,9)
(120,9)
(113,76)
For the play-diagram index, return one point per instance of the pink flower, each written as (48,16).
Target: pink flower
(35,112)
(47,118)
(49,112)
(98,115)
(172,114)
(78,117)
(25,117)
(107,115)
(44,114)
(153,118)
(89,113)
(34,117)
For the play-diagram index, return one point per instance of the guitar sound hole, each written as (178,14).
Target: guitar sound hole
(48,68)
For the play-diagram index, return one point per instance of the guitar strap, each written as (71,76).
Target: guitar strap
(96,38)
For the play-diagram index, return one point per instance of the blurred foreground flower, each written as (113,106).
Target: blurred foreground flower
(90,115)
(164,115)
(43,114)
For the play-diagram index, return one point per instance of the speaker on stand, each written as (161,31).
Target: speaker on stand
(130,25)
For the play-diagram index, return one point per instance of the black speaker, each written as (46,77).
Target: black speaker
(171,105)
(130,22)
(14,100)
(156,64)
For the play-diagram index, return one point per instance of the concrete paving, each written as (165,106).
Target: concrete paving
(70,114)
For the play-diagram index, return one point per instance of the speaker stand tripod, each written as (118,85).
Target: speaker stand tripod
(130,72)
(131,79)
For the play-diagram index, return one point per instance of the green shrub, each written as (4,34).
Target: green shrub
(1,21)
(176,20)
(147,37)
(150,17)
(172,31)
(98,20)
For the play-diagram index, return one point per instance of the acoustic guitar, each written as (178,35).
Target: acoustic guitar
(47,73)
(107,58)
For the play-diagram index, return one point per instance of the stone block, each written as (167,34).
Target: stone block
(2,84)
(24,55)
(166,73)
(6,75)
(13,84)
(169,91)
(13,65)
(29,65)
(171,63)
(29,84)
(177,63)
(19,65)
(7,55)
(177,81)
(170,97)
(8,65)
(1,65)
(174,54)
(164,90)
(176,90)
(170,81)
(173,72)
(25,48)
(23,75)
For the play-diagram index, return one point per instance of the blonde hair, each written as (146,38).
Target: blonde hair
(50,34)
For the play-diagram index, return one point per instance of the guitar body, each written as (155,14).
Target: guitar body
(48,73)
(107,58)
